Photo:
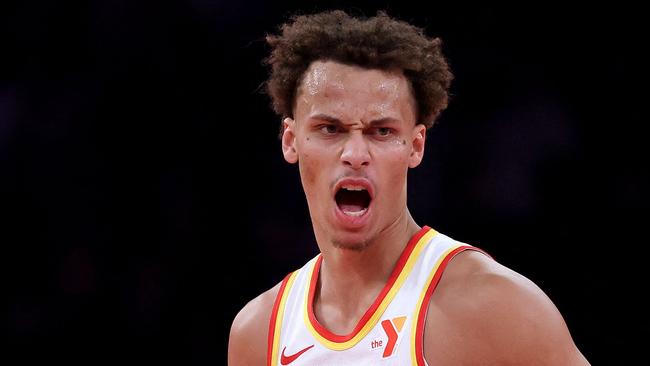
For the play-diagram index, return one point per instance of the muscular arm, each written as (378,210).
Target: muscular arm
(493,316)
(247,344)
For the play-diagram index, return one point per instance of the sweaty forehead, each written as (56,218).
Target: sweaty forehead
(327,82)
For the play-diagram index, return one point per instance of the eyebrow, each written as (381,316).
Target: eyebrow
(328,118)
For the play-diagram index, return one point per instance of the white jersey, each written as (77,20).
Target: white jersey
(389,333)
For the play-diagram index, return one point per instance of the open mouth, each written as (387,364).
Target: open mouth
(352,200)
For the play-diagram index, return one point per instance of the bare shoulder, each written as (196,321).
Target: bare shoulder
(247,344)
(491,312)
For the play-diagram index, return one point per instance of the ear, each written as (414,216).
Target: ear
(417,145)
(289,140)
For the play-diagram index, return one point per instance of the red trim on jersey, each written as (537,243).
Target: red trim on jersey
(422,314)
(274,315)
(371,310)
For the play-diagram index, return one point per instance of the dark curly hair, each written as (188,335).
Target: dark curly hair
(379,42)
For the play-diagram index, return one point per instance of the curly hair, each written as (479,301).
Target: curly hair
(379,42)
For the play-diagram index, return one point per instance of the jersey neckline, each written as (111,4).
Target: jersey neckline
(370,318)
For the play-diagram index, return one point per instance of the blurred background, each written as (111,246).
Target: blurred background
(144,199)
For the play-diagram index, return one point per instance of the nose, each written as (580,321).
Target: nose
(355,152)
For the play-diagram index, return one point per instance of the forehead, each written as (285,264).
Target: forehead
(329,83)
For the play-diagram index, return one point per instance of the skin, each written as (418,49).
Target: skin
(351,122)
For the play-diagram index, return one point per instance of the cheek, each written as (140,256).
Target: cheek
(397,176)
(396,153)
(311,170)
(395,164)
(308,173)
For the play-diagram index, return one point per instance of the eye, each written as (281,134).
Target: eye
(384,131)
(329,129)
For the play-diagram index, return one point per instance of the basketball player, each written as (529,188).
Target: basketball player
(357,96)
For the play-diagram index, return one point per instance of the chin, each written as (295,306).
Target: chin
(354,246)
(357,241)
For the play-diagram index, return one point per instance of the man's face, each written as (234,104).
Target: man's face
(354,138)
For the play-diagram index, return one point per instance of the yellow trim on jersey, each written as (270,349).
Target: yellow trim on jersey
(279,317)
(419,304)
(374,318)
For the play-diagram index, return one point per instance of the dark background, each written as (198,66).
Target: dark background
(144,199)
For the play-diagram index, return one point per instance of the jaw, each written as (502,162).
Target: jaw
(342,236)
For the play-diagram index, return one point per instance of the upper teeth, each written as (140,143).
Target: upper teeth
(353,188)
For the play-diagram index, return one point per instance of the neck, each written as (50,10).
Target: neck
(350,280)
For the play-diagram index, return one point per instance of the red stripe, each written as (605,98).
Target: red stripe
(419,335)
(371,310)
(274,315)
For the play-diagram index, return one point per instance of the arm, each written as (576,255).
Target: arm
(525,326)
(501,317)
(247,344)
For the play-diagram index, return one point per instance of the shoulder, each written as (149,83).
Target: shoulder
(247,344)
(500,315)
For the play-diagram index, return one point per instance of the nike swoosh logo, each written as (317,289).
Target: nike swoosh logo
(285,360)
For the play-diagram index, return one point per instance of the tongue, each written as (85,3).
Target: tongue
(351,207)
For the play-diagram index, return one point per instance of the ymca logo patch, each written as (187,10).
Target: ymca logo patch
(392,328)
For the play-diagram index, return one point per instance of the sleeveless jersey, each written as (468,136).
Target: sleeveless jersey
(389,333)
